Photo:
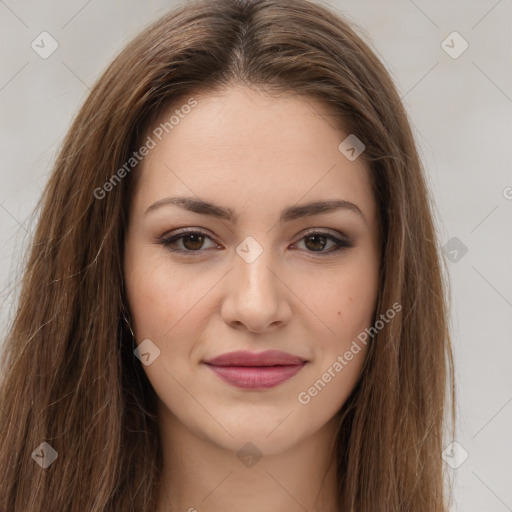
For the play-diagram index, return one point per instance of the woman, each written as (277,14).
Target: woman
(234,299)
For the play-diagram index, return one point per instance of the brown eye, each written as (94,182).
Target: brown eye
(191,241)
(317,241)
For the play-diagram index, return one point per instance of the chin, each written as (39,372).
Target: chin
(269,434)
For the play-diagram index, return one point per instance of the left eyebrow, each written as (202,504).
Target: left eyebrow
(202,207)
(318,207)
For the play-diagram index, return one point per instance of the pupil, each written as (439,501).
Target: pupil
(197,241)
(316,246)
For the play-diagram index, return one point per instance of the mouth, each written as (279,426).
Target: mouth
(250,370)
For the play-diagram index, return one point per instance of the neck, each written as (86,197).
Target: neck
(198,474)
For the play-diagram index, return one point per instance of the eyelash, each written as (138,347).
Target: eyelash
(168,241)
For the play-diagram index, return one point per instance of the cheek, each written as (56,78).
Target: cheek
(170,308)
(356,295)
(344,301)
(167,302)
(346,305)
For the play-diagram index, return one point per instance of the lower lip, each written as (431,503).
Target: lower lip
(256,377)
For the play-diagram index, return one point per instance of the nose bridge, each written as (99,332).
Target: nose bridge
(253,260)
(255,298)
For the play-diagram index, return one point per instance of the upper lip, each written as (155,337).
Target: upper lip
(246,358)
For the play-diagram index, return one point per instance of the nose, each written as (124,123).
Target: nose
(257,298)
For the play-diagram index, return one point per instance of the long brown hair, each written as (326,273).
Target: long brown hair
(69,375)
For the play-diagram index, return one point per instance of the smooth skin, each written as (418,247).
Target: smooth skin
(255,155)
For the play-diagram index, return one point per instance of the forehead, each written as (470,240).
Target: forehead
(246,147)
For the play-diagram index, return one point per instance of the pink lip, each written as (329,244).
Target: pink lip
(256,371)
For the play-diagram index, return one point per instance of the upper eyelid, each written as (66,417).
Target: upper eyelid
(322,231)
(339,239)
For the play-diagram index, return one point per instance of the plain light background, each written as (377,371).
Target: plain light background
(460,109)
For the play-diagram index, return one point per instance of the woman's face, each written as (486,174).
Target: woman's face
(259,273)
